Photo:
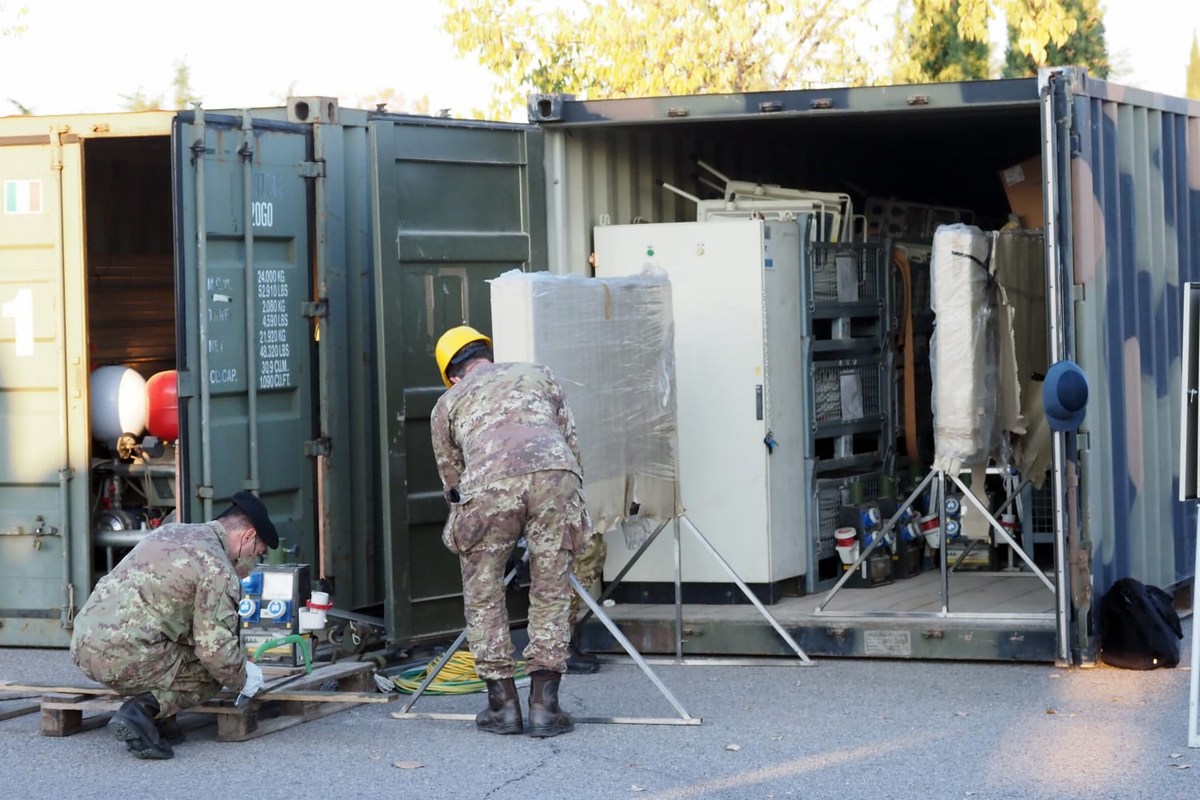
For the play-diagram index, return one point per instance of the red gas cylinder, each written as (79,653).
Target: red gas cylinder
(162,393)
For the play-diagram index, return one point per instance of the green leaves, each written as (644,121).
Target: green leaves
(1193,72)
(622,48)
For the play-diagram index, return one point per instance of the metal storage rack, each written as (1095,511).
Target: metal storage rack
(846,322)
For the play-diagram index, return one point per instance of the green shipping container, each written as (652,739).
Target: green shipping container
(294,267)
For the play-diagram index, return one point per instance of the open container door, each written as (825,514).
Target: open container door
(1127,208)
(456,204)
(246,345)
(43,386)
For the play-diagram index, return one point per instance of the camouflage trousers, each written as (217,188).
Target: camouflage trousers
(171,672)
(589,567)
(548,508)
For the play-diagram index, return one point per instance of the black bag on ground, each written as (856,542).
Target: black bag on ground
(1139,628)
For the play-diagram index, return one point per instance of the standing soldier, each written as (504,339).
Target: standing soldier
(505,445)
(162,627)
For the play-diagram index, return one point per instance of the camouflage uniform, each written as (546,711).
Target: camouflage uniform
(589,565)
(165,619)
(506,451)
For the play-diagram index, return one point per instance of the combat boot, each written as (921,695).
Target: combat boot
(503,714)
(579,662)
(545,717)
(134,725)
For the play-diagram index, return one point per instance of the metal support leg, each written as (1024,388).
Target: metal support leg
(612,587)
(615,632)
(878,540)
(678,595)
(1194,695)
(684,717)
(1003,533)
(938,494)
(446,656)
(749,594)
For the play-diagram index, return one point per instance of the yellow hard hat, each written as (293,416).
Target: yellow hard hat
(451,342)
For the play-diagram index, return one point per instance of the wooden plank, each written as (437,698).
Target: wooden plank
(92,703)
(582,720)
(333,697)
(43,689)
(254,728)
(19,711)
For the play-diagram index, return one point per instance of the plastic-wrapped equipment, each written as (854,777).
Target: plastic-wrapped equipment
(964,351)
(610,343)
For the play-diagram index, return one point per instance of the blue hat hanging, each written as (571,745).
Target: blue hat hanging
(1065,396)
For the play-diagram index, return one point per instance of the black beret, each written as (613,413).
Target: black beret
(253,508)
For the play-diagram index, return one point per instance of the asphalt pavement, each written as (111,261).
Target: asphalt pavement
(844,728)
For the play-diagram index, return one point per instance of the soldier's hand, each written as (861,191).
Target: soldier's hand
(254,680)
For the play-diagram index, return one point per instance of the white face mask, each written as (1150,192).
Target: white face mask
(244,564)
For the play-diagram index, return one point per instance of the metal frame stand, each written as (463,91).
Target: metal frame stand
(684,717)
(596,607)
(938,479)
(679,521)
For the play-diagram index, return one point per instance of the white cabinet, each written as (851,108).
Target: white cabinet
(736,303)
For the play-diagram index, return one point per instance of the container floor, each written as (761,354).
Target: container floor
(1005,616)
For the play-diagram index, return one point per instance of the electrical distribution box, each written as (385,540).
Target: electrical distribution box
(272,597)
(735,290)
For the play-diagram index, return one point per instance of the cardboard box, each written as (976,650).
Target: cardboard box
(1023,185)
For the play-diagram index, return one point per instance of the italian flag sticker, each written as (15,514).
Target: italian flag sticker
(22,197)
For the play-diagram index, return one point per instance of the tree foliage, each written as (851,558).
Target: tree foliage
(182,94)
(11,23)
(1038,22)
(1084,46)
(620,48)
(1193,72)
(138,100)
(181,85)
(932,49)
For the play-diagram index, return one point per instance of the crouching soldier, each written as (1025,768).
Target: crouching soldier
(162,627)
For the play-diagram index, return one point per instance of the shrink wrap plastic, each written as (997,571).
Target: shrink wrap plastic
(610,343)
(965,349)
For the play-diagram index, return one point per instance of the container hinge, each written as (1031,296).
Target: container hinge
(187,383)
(1081,576)
(312,169)
(315,308)
(56,136)
(318,447)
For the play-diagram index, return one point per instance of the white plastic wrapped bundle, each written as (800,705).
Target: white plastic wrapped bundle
(963,350)
(610,343)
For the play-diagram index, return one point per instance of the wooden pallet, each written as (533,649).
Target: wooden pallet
(302,700)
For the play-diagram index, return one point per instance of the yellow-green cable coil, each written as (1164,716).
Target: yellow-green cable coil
(457,677)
